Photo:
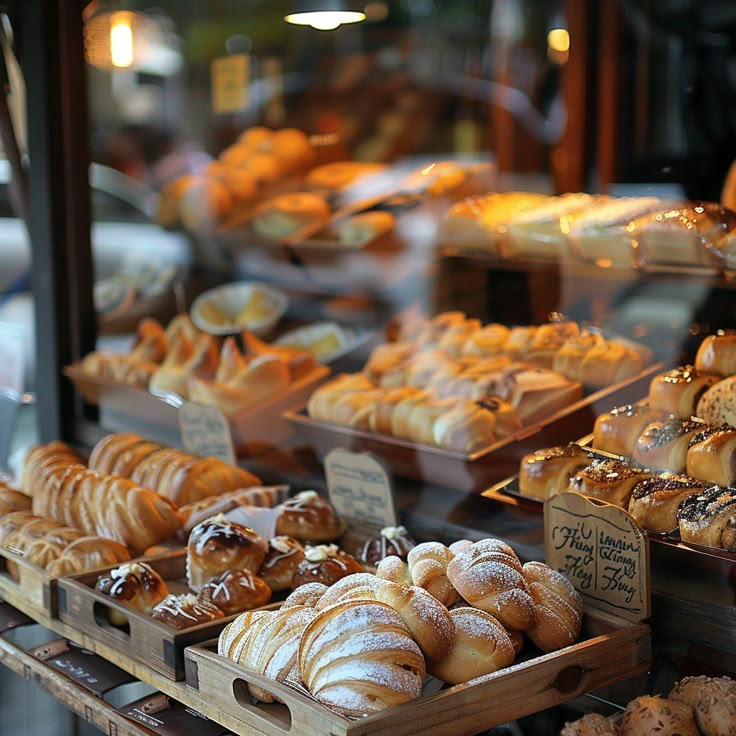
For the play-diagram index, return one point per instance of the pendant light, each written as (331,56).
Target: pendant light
(325,15)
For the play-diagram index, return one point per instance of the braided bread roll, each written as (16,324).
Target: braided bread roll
(110,507)
(481,646)
(270,648)
(488,575)
(358,658)
(11,500)
(87,553)
(428,563)
(558,608)
(43,457)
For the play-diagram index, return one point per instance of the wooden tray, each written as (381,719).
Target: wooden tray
(612,650)
(148,641)
(475,472)
(30,586)
(130,409)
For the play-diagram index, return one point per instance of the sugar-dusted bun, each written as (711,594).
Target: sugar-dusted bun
(396,570)
(307,595)
(608,480)
(428,569)
(717,354)
(546,473)
(718,404)
(618,430)
(489,576)
(135,584)
(359,658)
(392,541)
(664,444)
(711,455)
(480,646)
(309,517)
(558,608)
(714,701)
(286,214)
(355,586)
(184,611)
(516,638)
(235,591)
(679,390)
(217,545)
(652,715)
(326,564)
(282,559)
(591,724)
(426,618)
(655,501)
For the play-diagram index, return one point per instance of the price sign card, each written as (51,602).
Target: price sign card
(168,717)
(360,489)
(205,431)
(230,77)
(602,551)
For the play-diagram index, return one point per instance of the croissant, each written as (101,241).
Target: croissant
(231,361)
(489,576)
(358,658)
(181,327)
(111,507)
(151,344)
(187,359)
(558,608)
(300,362)
(271,646)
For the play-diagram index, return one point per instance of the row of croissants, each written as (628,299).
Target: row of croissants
(365,643)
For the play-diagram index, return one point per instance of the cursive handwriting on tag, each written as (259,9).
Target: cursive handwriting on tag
(205,431)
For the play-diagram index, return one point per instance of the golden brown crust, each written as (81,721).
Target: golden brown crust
(618,430)
(235,591)
(648,715)
(717,354)
(325,564)
(679,390)
(548,472)
(281,562)
(309,517)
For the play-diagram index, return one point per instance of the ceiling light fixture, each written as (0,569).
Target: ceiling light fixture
(325,15)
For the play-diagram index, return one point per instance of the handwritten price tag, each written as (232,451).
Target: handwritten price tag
(360,489)
(205,431)
(602,551)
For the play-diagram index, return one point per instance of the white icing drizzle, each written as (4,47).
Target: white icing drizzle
(321,552)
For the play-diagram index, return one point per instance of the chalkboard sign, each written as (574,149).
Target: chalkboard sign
(205,431)
(359,487)
(602,551)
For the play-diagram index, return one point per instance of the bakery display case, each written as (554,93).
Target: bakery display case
(340,308)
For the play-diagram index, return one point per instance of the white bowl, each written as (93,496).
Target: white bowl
(231,298)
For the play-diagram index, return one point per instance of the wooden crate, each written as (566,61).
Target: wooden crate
(130,409)
(475,472)
(612,649)
(25,585)
(148,641)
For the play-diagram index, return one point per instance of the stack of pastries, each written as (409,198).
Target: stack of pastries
(696,706)
(622,231)
(365,643)
(183,360)
(456,384)
(230,568)
(258,160)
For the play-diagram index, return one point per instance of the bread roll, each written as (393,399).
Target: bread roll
(427,568)
(558,608)
(610,362)
(591,724)
(282,559)
(518,342)
(707,518)
(385,358)
(568,360)
(718,404)
(711,456)
(234,637)
(309,517)
(11,500)
(337,175)
(134,584)
(664,444)
(44,551)
(358,658)
(287,214)
(480,646)
(184,611)
(608,480)
(547,341)
(325,564)
(655,501)
(308,595)
(717,354)
(204,203)
(679,390)
(86,554)
(546,473)
(235,591)
(618,430)
(392,541)
(469,426)
(42,458)
(489,576)
(649,715)
(365,227)
(713,700)
(487,341)
(397,571)
(322,400)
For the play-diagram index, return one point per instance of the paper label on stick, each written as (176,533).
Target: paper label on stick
(230,75)
(360,489)
(602,551)
(205,431)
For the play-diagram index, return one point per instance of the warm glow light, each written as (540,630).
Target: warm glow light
(325,20)
(121,39)
(558,39)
